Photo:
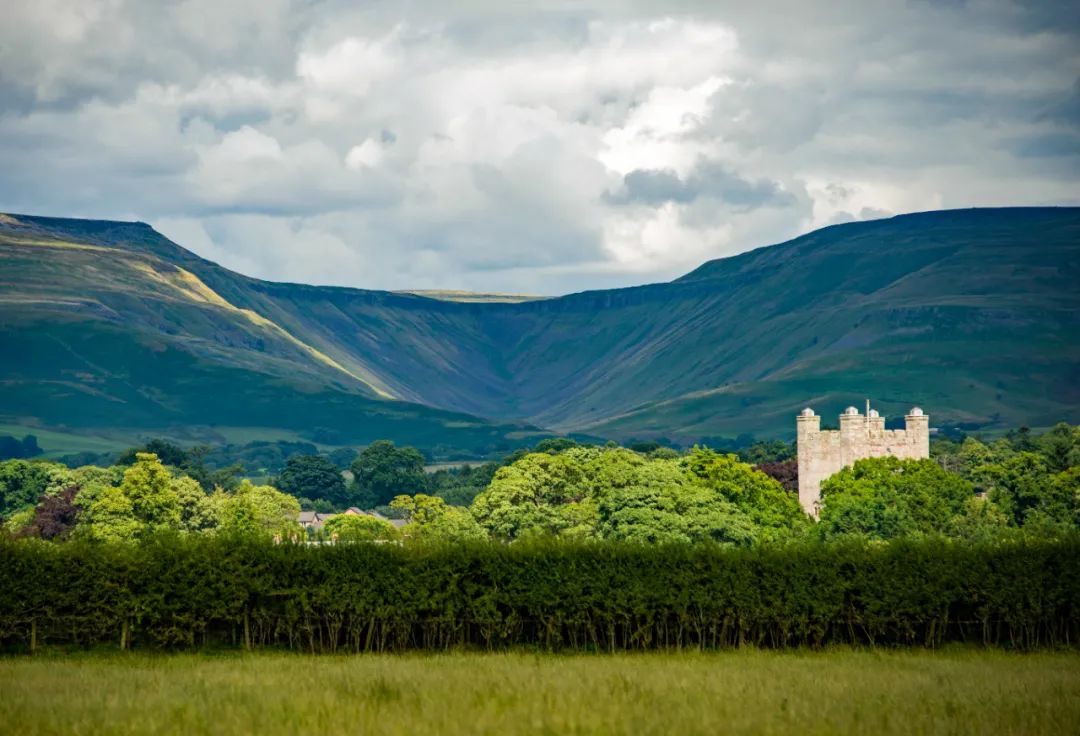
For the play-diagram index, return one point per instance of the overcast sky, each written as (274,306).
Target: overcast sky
(497,147)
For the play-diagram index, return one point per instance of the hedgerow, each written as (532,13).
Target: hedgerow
(194,591)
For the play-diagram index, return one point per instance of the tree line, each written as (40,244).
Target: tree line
(647,493)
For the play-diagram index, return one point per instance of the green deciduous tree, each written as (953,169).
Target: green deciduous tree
(257,511)
(431,518)
(145,502)
(359,528)
(111,517)
(1028,491)
(313,476)
(1060,447)
(23,482)
(459,486)
(383,471)
(885,498)
(660,502)
(762,499)
(148,484)
(197,511)
(538,495)
(980,520)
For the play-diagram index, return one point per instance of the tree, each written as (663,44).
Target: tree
(538,495)
(359,528)
(885,498)
(92,481)
(773,451)
(144,503)
(980,520)
(194,466)
(55,517)
(555,445)
(23,482)
(16,522)
(1022,440)
(1060,447)
(383,471)
(786,473)
(257,511)
(768,506)
(167,452)
(313,476)
(13,448)
(197,511)
(459,486)
(342,457)
(1026,490)
(431,518)
(656,501)
(643,447)
(111,518)
(148,484)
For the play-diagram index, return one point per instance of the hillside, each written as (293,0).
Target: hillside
(104,331)
(974,314)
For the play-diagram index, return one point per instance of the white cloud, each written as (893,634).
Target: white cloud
(492,146)
(367,155)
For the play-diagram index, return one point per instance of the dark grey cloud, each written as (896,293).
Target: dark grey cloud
(708,179)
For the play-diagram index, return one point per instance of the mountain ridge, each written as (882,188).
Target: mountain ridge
(875,308)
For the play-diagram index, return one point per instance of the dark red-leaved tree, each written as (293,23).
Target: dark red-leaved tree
(55,516)
(786,472)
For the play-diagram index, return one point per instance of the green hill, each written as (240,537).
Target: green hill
(974,314)
(105,331)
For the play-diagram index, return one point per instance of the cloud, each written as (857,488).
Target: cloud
(708,179)
(499,146)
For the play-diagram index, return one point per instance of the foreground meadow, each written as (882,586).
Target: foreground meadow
(838,691)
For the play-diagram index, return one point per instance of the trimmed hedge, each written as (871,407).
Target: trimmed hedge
(190,592)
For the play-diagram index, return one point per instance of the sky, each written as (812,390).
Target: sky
(538,148)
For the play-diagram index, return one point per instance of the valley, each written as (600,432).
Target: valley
(975,314)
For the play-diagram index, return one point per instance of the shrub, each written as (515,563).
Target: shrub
(185,591)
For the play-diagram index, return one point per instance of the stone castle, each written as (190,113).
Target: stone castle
(822,453)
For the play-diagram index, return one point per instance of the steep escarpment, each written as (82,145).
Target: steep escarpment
(972,313)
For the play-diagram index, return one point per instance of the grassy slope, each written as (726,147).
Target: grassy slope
(746,692)
(971,313)
(106,337)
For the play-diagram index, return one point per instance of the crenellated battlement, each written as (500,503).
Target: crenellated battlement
(824,452)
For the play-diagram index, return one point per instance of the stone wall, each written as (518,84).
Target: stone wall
(823,453)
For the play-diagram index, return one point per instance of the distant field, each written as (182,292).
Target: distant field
(451,295)
(56,444)
(744,692)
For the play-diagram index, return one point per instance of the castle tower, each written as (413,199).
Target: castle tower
(917,428)
(808,432)
(823,453)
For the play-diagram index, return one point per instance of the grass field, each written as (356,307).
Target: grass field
(56,443)
(752,692)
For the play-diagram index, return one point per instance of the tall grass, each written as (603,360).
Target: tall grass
(740,692)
